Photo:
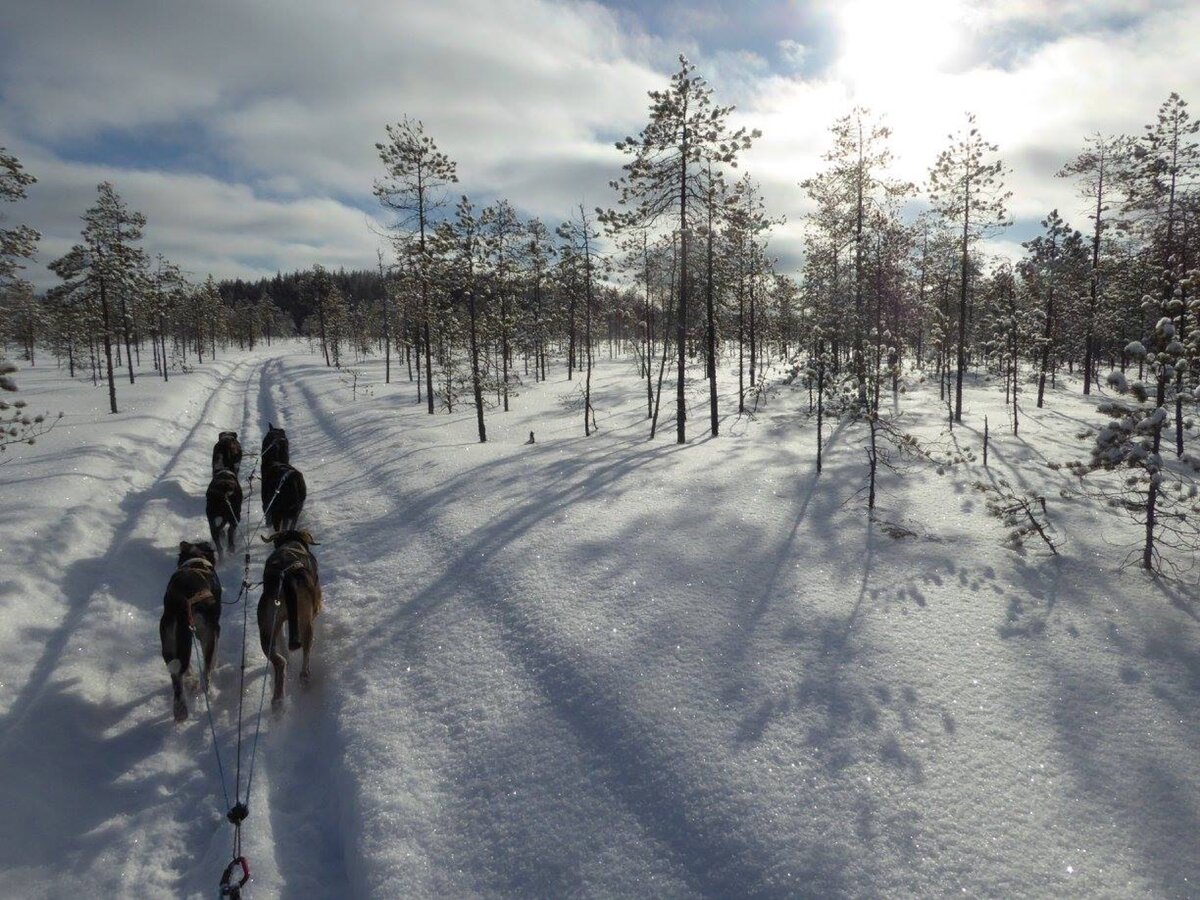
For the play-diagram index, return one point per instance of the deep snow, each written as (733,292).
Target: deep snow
(593,666)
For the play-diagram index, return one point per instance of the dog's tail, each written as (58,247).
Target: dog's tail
(176,639)
(292,599)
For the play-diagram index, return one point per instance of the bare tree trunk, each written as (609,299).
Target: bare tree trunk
(112,387)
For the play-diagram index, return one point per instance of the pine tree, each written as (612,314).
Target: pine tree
(685,133)
(1055,257)
(579,249)
(966,188)
(501,233)
(1097,170)
(461,241)
(859,161)
(1165,169)
(415,188)
(538,253)
(108,265)
(1133,440)
(16,244)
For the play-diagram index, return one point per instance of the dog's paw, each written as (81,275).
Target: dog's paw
(181,712)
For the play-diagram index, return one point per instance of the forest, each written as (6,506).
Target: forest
(677,273)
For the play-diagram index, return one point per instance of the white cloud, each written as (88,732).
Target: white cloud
(792,52)
(288,98)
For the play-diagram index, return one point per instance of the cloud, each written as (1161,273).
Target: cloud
(272,108)
(207,225)
(793,53)
(1039,112)
(288,99)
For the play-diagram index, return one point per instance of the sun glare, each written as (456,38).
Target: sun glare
(887,42)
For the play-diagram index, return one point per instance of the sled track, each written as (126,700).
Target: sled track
(300,756)
(676,805)
(108,755)
(92,572)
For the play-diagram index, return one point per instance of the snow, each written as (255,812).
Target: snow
(595,666)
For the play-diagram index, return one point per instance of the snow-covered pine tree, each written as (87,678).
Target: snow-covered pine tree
(1133,441)
(417,175)
(501,232)
(17,244)
(537,255)
(1161,184)
(108,266)
(460,243)
(966,187)
(1057,258)
(746,226)
(1097,171)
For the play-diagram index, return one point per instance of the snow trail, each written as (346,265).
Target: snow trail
(600,666)
(298,781)
(112,799)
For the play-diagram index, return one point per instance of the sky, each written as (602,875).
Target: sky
(246,131)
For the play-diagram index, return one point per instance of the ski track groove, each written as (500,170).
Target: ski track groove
(95,581)
(299,756)
(710,852)
(93,571)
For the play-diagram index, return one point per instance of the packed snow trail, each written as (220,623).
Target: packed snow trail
(604,666)
(109,802)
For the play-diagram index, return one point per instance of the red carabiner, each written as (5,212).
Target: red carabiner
(228,888)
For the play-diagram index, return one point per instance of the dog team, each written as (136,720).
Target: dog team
(291,584)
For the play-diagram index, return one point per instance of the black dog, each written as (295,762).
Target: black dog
(193,598)
(223,506)
(291,593)
(275,445)
(283,494)
(227,452)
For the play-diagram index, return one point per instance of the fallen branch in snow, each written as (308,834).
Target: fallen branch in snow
(19,427)
(1024,513)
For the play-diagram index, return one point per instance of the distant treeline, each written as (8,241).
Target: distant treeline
(287,291)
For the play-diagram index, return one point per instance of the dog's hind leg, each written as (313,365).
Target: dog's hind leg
(215,525)
(270,627)
(177,654)
(306,632)
(208,641)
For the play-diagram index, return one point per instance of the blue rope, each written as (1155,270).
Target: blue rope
(262,697)
(199,651)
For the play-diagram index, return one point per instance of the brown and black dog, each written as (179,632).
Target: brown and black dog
(283,494)
(193,597)
(275,446)
(291,593)
(227,452)
(223,507)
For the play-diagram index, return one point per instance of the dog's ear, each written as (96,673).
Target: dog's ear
(308,539)
(270,537)
(184,546)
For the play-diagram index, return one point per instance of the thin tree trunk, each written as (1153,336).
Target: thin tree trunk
(108,357)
